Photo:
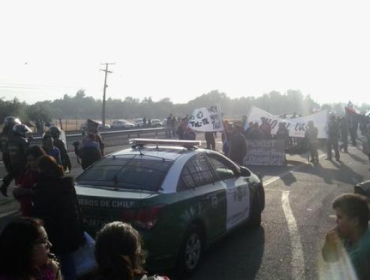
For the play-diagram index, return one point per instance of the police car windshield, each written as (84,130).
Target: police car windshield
(127,172)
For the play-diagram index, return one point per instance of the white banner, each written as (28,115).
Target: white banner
(204,119)
(296,127)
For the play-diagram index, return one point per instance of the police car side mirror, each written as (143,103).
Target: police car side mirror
(244,171)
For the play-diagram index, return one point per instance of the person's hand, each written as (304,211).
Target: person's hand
(333,236)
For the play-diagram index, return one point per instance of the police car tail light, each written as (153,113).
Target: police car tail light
(148,217)
(128,215)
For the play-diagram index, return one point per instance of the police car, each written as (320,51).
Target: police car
(179,197)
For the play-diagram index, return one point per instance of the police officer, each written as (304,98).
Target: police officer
(56,132)
(333,138)
(92,148)
(5,135)
(17,146)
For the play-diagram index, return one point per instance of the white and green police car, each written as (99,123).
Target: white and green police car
(179,197)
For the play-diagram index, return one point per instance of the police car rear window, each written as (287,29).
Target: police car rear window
(127,172)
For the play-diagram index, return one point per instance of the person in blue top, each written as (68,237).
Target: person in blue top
(50,149)
(349,241)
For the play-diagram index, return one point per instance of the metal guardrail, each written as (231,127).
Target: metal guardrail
(119,132)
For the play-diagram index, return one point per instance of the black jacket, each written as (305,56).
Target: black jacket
(55,202)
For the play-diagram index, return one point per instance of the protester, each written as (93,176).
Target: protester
(255,133)
(118,252)
(353,126)
(266,128)
(238,146)
(50,149)
(181,129)
(5,136)
(92,128)
(90,151)
(28,179)
(55,132)
(55,202)
(351,236)
(343,124)
(169,126)
(25,252)
(189,134)
(17,147)
(311,136)
(249,128)
(283,134)
(210,140)
(173,126)
(333,137)
(226,137)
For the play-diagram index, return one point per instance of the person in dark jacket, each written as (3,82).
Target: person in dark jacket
(118,252)
(5,136)
(189,134)
(210,139)
(266,128)
(238,147)
(311,135)
(55,202)
(255,133)
(333,137)
(90,151)
(283,133)
(343,124)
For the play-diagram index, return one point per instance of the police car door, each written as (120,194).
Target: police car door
(237,190)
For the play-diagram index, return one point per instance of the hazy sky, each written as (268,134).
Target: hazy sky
(182,49)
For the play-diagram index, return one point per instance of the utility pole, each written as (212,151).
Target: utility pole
(104,90)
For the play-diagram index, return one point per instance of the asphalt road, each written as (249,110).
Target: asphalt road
(297,215)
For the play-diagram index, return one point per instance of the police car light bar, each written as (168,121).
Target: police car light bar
(164,142)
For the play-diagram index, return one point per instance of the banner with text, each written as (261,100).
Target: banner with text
(204,119)
(269,152)
(296,127)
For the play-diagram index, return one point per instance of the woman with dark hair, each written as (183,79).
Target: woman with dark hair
(25,252)
(55,202)
(27,180)
(118,252)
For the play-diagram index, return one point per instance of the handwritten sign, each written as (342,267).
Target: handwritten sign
(204,119)
(269,152)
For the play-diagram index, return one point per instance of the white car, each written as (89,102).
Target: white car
(139,122)
(122,124)
(156,122)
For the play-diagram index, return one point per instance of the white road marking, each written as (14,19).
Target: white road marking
(297,263)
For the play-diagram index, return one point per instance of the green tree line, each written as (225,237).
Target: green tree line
(81,106)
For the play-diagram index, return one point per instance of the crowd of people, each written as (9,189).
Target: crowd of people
(41,244)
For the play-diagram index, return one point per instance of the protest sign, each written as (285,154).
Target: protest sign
(296,126)
(204,120)
(269,152)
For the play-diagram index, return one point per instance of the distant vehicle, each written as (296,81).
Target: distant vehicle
(179,197)
(156,122)
(83,126)
(122,124)
(139,122)
(164,122)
